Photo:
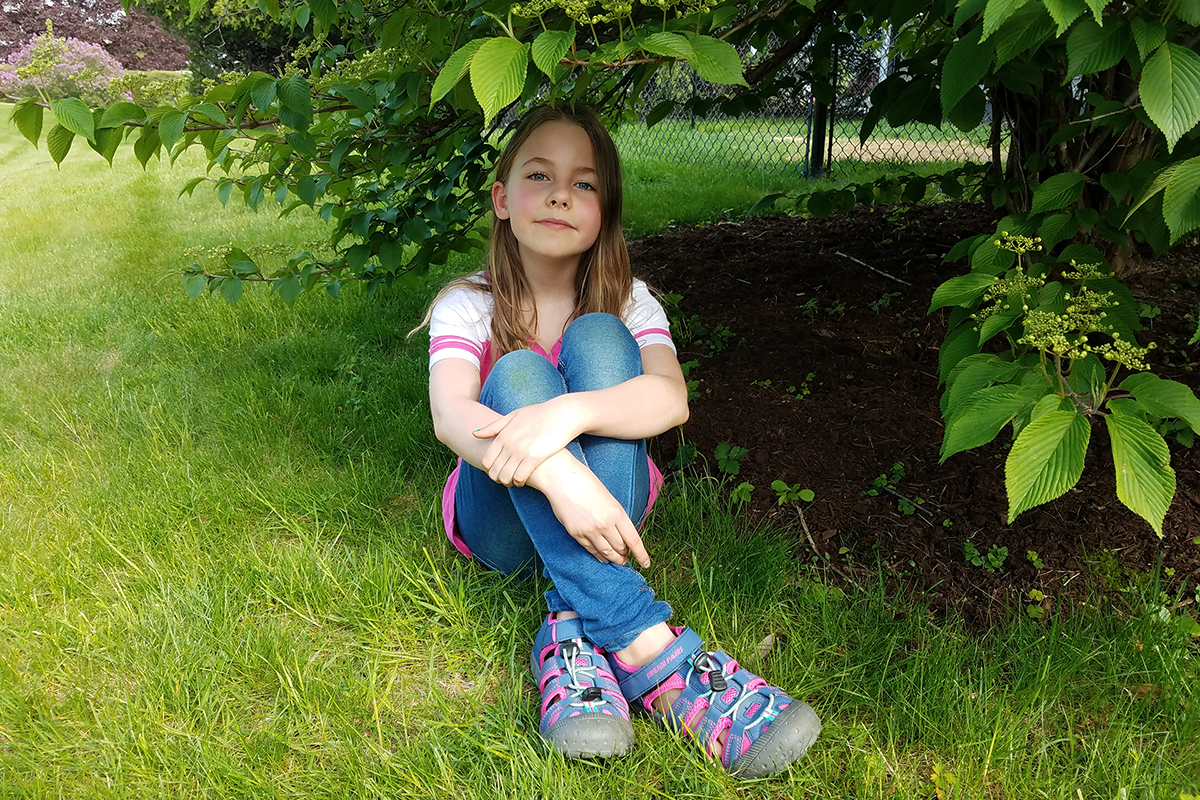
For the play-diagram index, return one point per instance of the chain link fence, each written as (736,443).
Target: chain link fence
(793,132)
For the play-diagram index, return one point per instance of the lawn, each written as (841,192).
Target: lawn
(222,572)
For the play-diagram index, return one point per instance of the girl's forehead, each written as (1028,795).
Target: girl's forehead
(560,142)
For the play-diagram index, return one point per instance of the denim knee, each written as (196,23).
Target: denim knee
(518,379)
(598,351)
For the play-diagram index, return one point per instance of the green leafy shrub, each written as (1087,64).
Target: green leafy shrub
(1065,334)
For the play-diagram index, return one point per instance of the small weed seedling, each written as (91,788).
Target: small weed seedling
(1036,609)
(883,302)
(693,386)
(804,390)
(729,458)
(764,384)
(886,483)
(741,495)
(1033,558)
(993,561)
(790,494)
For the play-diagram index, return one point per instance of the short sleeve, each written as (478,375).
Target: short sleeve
(460,326)
(645,318)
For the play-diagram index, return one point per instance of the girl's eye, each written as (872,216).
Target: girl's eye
(587,187)
(538,176)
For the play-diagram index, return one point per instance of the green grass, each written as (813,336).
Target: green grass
(222,572)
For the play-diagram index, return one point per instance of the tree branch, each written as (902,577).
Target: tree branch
(795,44)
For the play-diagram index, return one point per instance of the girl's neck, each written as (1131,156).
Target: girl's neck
(549,282)
(552,290)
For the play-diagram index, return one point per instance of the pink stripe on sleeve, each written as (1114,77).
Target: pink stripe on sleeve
(652,332)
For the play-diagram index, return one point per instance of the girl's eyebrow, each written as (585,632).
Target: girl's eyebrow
(548,162)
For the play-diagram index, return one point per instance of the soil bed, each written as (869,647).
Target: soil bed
(829,378)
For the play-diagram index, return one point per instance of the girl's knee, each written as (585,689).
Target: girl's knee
(520,378)
(597,327)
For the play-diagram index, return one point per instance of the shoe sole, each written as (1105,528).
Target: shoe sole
(591,737)
(786,739)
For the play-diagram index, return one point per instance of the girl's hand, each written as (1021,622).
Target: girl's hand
(589,512)
(525,438)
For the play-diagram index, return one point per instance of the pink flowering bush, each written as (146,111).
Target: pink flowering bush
(52,67)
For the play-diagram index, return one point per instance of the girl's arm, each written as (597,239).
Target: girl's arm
(588,511)
(641,407)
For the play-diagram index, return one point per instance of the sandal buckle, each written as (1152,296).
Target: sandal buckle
(591,694)
(716,680)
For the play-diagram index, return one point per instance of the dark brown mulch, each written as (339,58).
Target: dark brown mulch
(798,302)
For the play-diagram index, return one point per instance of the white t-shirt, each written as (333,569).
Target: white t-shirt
(461,325)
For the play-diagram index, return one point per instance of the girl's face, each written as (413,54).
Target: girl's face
(550,197)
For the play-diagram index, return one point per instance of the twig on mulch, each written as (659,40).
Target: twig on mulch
(925,515)
(819,554)
(873,269)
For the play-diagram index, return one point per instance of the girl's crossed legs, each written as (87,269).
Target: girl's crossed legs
(513,528)
(752,728)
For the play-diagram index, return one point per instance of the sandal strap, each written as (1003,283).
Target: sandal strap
(673,658)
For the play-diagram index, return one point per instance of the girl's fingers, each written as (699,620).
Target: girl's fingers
(491,429)
(632,542)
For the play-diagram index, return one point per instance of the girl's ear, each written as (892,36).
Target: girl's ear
(500,200)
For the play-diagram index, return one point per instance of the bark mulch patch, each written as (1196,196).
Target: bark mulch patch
(826,370)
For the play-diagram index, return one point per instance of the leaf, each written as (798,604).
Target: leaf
(997,13)
(289,288)
(58,143)
(324,14)
(966,10)
(224,189)
(262,90)
(667,44)
(765,203)
(1170,90)
(1181,199)
(984,416)
(1149,35)
(1097,7)
(969,112)
(498,74)
(146,145)
(976,377)
(28,116)
(121,113)
(1055,229)
(1064,12)
(194,284)
(191,185)
(293,93)
(1092,49)
(1046,460)
(1058,191)
(73,115)
(960,343)
(966,64)
(995,323)
(1145,480)
(550,47)
(716,61)
(107,141)
(1163,398)
(231,289)
(1186,10)
(210,111)
(170,127)
(1028,29)
(961,290)
(452,72)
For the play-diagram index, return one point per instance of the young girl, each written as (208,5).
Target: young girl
(547,374)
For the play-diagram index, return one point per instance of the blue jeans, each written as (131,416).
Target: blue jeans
(511,529)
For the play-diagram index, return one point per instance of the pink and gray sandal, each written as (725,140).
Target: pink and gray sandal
(767,729)
(584,714)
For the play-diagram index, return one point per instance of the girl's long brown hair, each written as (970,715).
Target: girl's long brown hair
(603,281)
